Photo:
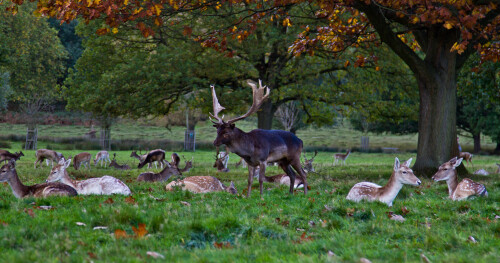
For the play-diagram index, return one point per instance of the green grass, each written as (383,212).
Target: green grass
(339,137)
(253,229)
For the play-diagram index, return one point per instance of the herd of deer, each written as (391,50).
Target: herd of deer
(257,149)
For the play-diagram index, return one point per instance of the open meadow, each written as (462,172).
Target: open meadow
(220,227)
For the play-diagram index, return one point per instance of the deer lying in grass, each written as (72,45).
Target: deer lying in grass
(46,154)
(155,156)
(221,161)
(201,184)
(401,175)
(308,164)
(102,156)
(281,179)
(340,156)
(81,159)
(466,156)
(458,191)
(115,165)
(106,185)
(7,156)
(169,170)
(258,147)
(8,174)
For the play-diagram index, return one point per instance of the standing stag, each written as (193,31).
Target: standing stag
(45,154)
(258,147)
(6,156)
(156,156)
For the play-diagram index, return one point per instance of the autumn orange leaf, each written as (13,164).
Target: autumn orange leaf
(130,200)
(120,234)
(140,231)
(109,201)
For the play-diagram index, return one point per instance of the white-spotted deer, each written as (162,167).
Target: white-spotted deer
(401,175)
(201,184)
(466,156)
(46,154)
(115,165)
(308,164)
(221,161)
(7,156)
(258,147)
(458,191)
(156,156)
(102,156)
(8,174)
(281,179)
(340,156)
(106,185)
(82,159)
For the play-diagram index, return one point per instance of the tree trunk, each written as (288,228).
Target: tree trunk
(477,142)
(265,115)
(497,149)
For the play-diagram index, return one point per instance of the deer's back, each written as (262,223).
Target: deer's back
(467,188)
(105,185)
(51,189)
(364,190)
(197,184)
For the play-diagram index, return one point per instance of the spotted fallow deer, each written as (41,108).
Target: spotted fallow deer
(340,156)
(258,147)
(100,157)
(458,191)
(46,154)
(6,156)
(106,185)
(201,184)
(466,156)
(82,159)
(8,174)
(401,175)
(308,164)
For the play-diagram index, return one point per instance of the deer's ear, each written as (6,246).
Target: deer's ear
(458,162)
(396,164)
(408,162)
(232,125)
(66,164)
(232,184)
(61,161)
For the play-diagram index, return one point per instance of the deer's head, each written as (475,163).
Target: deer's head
(308,164)
(57,173)
(447,169)
(231,189)
(226,130)
(404,173)
(8,171)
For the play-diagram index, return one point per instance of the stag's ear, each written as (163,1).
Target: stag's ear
(396,164)
(232,125)
(457,163)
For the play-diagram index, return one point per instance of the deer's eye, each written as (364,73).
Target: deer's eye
(404,172)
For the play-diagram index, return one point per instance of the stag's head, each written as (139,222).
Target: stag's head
(308,164)
(404,173)
(447,169)
(226,130)
(57,173)
(8,171)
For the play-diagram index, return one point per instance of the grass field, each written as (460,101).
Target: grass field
(339,137)
(219,227)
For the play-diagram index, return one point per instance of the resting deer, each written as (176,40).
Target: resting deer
(308,164)
(8,174)
(81,158)
(45,154)
(241,162)
(466,156)
(176,160)
(115,165)
(102,156)
(258,147)
(341,156)
(167,172)
(221,161)
(106,185)
(201,184)
(458,191)
(401,174)
(155,156)
(281,179)
(6,156)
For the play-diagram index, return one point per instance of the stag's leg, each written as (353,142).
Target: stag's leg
(298,168)
(251,172)
(262,173)
(288,170)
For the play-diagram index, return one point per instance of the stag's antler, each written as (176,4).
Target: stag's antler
(258,98)
(217,107)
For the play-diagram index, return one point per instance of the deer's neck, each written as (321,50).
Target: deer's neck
(242,145)
(18,188)
(166,173)
(67,180)
(389,192)
(452,183)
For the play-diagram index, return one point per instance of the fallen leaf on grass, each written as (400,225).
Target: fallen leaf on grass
(140,231)
(3,223)
(44,207)
(331,254)
(185,203)
(80,224)
(130,200)
(424,258)
(222,245)
(100,227)
(29,212)
(92,255)
(323,223)
(109,201)
(398,218)
(303,238)
(404,210)
(154,254)
(364,260)
(284,223)
(472,239)
(120,234)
